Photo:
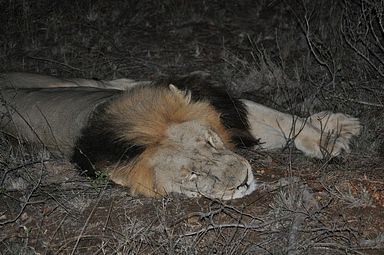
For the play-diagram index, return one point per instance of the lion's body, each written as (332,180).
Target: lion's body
(159,138)
(40,117)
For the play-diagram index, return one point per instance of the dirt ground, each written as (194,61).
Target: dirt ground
(297,56)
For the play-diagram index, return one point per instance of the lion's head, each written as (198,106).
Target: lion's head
(195,161)
(187,149)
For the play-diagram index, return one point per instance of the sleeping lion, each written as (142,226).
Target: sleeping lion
(174,135)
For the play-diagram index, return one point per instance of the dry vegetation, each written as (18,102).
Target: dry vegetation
(297,56)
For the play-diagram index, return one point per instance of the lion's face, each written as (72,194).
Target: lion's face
(194,161)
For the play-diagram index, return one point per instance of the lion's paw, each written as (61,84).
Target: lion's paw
(322,146)
(328,134)
(334,132)
(333,146)
(336,124)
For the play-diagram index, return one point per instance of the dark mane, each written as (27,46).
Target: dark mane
(99,141)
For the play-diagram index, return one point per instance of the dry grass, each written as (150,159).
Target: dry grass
(297,56)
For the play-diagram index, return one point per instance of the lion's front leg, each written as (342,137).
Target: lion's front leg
(276,129)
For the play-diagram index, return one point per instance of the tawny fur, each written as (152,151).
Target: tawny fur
(137,175)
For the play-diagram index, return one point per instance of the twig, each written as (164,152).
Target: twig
(109,215)
(254,227)
(356,101)
(87,221)
(336,246)
(70,240)
(347,39)
(56,62)
(201,216)
(293,235)
(26,202)
(54,233)
(21,166)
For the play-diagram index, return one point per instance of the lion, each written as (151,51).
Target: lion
(171,136)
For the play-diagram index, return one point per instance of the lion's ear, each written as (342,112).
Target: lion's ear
(185,94)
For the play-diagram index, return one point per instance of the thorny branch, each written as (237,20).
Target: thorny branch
(362,34)
(26,202)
